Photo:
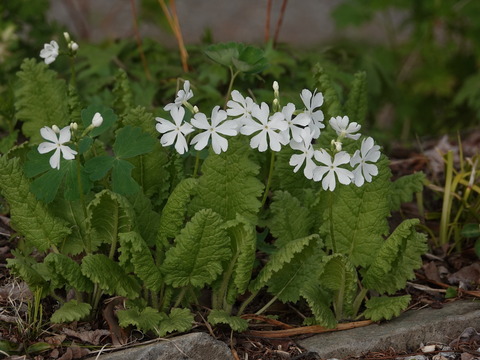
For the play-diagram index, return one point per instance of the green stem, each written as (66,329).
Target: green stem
(197,164)
(446,207)
(330,212)
(73,77)
(358,301)
(267,305)
(246,303)
(219,298)
(269,180)
(180,297)
(230,85)
(80,187)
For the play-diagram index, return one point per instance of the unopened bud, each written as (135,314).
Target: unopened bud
(56,129)
(74,126)
(66,35)
(73,45)
(337,145)
(97,120)
(275,86)
(195,109)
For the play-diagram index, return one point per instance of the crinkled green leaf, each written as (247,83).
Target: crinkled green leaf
(25,267)
(359,217)
(302,271)
(404,188)
(68,271)
(222,317)
(173,213)
(132,141)
(71,311)
(357,103)
(229,184)
(285,227)
(145,319)
(139,117)
(109,214)
(319,303)
(30,217)
(110,276)
(142,260)
(198,253)
(396,259)
(108,116)
(147,219)
(279,259)
(332,106)
(178,320)
(40,99)
(340,276)
(123,96)
(385,308)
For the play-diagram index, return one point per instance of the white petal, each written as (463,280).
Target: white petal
(68,154)
(323,157)
(181,144)
(200,121)
(48,134)
(297,161)
(65,135)
(317,101)
(168,139)
(341,157)
(328,181)
(306,95)
(219,143)
(259,141)
(201,140)
(344,176)
(55,159)
(164,126)
(319,172)
(46,147)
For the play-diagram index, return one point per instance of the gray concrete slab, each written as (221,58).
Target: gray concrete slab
(404,333)
(195,346)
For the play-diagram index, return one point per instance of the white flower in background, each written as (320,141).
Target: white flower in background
(364,171)
(267,127)
(217,126)
(97,120)
(295,125)
(343,128)
(49,52)
(56,143)
(331,170)
(315,117)
(174,132)
(306,147)
(240,107)
(182,98)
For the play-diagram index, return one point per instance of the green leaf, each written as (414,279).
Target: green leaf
(147,219)
(224,53)
(359,217)
(122,93)
(110,276)
(222,317)
(46,186)
(173,213)
(178,320)
(26,267)
(122,180)
(471,230)
(279,259)
(39,347)
(244,58)
(302,271)
(141,259)
(285,227)
(139,117)
(71,311)
(340,276)
(323,84)
(199,251)
(40,99)
(145,319)
(229,184)
(132,141)
(385,308)
(30,217)
(69,271)
(396,259)
(99,166)
(319,303)
(404,188)
(357,103)
(108,116)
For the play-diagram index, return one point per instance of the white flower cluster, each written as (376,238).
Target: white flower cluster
(297,128)
(50,51)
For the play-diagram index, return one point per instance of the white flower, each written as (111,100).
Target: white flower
(315,117)
(97,120)
(240,107)
(56,143)
(343,128)
(364,171)
(268,126)
(217,126)
(305,146)
(176,131)
(331,168)
(49,52)
(294,130)
(182,98)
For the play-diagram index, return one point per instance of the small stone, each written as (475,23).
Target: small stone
(428,348)
(416,357)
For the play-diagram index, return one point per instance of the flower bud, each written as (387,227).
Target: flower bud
(74,126)
(56,129)
(97,120)
(275,86)
(337,145)
(66,35)
(195,109)
(73,45)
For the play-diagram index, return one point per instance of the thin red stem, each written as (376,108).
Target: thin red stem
(280,21)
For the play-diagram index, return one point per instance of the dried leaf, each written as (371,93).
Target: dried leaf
(74,352)
(92,337)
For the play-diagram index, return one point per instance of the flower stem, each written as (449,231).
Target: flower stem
(269,179)
(330,213)
(230,85)
(197,163)
(80,187)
